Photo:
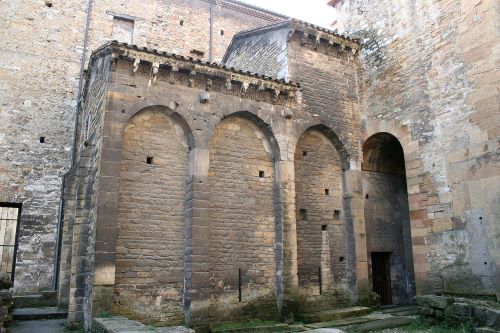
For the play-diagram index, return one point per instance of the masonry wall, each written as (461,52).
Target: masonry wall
(151,219)
(429,77)
(45,46)
(242,222)
(176,26)
(329,80)
(321,240)
(39,73)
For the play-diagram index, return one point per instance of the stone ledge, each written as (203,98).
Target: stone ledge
(481,312)
(120,324)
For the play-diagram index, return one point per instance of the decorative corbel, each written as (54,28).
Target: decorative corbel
(208,86)
(276,94)
(244,88)
(171,78)
(136,65)
(154,73)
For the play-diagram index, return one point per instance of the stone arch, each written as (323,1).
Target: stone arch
(387,219)
(321,229)
(150,224)
(245,221)
(335,140)
(169,108)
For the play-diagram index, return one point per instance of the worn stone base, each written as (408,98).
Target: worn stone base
(5,303)
(482,313)
(119,324)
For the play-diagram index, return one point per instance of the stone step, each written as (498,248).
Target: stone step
(382,324)
(46,298)
(408,310)
(485,330)
(39,313)
(272,328)
(356,311)
(340,322)
(120,324)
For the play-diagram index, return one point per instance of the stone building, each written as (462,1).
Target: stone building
(238,164)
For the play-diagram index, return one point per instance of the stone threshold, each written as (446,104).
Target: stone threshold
(120,324)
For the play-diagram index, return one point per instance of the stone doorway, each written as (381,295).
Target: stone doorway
(387,219)
(381,276)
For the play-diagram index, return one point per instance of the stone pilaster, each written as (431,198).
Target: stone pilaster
(197,270)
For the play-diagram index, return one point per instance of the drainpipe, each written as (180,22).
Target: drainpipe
(57,258)
(210,42)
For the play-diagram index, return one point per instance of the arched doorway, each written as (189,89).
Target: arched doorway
(151,218)
(387,219)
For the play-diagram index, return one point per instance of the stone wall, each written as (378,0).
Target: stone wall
(429,77)
(321,242)
(150,222)
(242,222)
(5,302)
(47,46)
(39,74)
(241,132)
(176,26)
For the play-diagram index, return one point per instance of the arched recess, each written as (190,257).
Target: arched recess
(243,200)
(321,228)
(151,217)
(387,219)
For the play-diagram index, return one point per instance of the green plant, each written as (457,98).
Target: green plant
(104,314)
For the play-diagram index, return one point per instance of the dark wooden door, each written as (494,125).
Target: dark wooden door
(381,275)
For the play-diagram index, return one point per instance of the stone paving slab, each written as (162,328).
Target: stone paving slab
(383,324)
(39,326)
(326,330)
(120,324)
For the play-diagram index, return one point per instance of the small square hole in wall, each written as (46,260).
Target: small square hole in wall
(181,23)
(42,139)
(304,153)
(327,191)
(222,32)
(149,160)
(323,227)
(341,259)
(261,174)
(303,214)
(336,214)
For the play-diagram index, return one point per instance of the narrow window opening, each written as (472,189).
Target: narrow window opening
(42,139)
(239,285)
(327,191)
(261,174)
(303,214)
(323,227)
(181,23)
(222,32)
(336,214)
(341,259)
(304,153)
(320,281)
(149,160)
(48,4)
(367,196)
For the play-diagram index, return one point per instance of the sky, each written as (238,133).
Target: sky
(312,11)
